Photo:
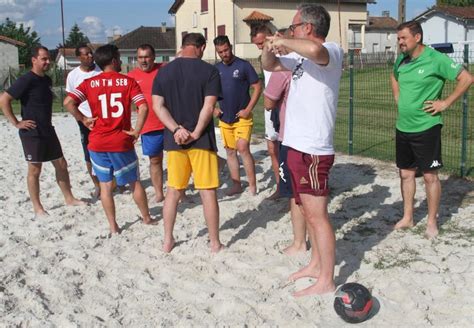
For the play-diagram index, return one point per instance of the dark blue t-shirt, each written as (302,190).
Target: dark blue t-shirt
(236,79)
(36,100)
(184,83)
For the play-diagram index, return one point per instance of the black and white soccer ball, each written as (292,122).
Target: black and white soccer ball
(353,302)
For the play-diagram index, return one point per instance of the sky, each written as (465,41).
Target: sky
(99,19)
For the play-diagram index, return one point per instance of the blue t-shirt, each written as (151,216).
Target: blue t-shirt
(236,79)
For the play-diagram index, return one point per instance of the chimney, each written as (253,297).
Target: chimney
(386,13)
(163,27)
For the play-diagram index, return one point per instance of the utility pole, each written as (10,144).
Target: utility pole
(401,11)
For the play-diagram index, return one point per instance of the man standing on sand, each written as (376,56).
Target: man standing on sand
(275,97)
(111,141)
(258,35)
(418,79)
(38,137)
(184,94)
(152,132)
(316,67)
(85,70)
(235,113)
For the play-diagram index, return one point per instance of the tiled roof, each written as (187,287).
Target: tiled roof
(148,34)
(68,52)
(381,23)
(11,41)
(257,16)
(464,13)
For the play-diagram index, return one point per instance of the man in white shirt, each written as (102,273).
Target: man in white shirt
(85,70)
(316,67)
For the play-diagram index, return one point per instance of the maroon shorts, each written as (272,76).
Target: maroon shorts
(309,173)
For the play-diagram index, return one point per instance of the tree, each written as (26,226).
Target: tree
(76,37)
(21,33)
(455,3)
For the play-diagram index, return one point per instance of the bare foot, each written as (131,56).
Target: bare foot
(317,289)
(75,202)
(41,214)
(404,224)
(305,272)
(253,190)
(115,229)
(274,196)
(150,221)
(236,189)
(293,249)
(168,245)
(431,231)
(217,248)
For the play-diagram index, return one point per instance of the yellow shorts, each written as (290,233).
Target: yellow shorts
(242,129)
(201,163)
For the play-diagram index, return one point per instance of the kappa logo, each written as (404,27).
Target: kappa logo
(282,173)
(435,164)
(29,157)
(235,74)
(303,181)
(421,71)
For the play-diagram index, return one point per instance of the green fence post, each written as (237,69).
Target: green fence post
(464,117)
(351,99)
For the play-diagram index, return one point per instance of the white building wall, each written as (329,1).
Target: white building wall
(8,56)
(380,42)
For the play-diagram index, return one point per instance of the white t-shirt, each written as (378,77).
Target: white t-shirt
(266,75)
(75,78)
(312,102)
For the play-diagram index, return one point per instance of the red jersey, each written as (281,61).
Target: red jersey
(145,81)
(110,95)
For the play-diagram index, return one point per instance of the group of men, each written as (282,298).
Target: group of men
(302,73)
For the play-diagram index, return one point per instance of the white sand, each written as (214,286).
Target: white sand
(62,271)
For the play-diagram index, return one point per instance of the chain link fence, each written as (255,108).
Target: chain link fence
(365,123)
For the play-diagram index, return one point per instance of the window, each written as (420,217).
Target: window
(220,30)
(355,36)
(204,6)
(195,20)
(205,33)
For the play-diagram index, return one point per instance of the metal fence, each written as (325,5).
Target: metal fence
(365,123)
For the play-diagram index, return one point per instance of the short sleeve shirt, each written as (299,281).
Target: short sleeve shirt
(277,90)
(145,81)
(236,79)
(36,98)
(421,79)
(74,78)
(184,83)
(110,97)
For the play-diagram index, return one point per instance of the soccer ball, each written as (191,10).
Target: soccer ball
(353,302)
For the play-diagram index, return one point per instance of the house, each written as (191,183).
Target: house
(235,18)
(381,34)
(9,54)
(66,57)
(162,38)
(449,24)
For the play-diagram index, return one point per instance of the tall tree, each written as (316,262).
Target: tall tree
(76,37)
(21,33)
(455,3)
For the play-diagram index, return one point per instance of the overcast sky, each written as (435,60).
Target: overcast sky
(101,18)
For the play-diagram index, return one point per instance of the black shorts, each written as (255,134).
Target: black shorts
(38,149)
(420,150)
(285,188)
(84,131)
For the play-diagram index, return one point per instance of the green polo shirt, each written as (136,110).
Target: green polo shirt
(419,80)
